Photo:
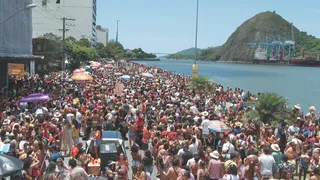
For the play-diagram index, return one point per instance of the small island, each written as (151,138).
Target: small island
(139,55)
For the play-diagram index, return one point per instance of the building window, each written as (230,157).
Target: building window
(39,67)
(39,47)
(45,67)
(44,2)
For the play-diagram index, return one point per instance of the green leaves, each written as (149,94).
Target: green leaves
(113,50)
(269,108)
(78,54)
(202,84)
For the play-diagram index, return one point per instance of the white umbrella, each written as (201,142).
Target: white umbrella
(125,77)
(147,75)
(118,74)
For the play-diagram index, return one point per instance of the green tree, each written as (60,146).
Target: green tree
(269,108)
(114,50)
(202,84)
(83,42)
(78,55)
(100,50)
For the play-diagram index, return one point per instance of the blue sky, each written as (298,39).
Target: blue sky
(168,26)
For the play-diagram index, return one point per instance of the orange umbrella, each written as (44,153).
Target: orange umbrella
(81,77)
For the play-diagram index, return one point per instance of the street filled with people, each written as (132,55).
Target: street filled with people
(173,131)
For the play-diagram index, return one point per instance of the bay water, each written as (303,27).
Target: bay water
(300,85)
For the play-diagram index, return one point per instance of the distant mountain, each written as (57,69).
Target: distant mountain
(185,54)
(261,28)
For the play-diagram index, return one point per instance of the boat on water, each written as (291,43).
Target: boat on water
(261,57)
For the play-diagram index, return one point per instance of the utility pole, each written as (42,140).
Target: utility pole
(194,65)
(117,30)
(63,39)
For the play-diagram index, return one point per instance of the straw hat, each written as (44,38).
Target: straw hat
(205,113)
(57,114)
(297,106)
(215,154)
(238,123)
(312,108)
(228,163)
(275,147)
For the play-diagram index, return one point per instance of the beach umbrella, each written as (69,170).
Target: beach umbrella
(81,77)
(9,165)
(37,97)
(147,75)
(78,71)
(218,126)
(125,77)
(108,66)
(118,73)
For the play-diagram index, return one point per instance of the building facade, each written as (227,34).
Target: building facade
(102,35)
(16,56)
(80,18)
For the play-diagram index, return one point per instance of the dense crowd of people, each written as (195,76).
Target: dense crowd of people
(166,123)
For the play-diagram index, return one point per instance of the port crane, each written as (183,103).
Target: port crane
(273,49)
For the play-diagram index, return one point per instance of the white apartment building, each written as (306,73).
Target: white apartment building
(80,15)
(102,35)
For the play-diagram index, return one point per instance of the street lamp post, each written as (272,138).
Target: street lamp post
(29,6)
(117,30)
(195,66)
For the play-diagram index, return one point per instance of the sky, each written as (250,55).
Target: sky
(168,26)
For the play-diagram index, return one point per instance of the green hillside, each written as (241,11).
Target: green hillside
(185,54)
(258,29)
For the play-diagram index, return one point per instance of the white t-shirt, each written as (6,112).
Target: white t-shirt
(190,161)
(266,162)
(193,148)
(228,148)
(205,126)
(78,117)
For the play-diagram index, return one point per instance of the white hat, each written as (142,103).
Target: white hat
(205,113)
(57,114)
(275,147)
(215,154)
(297,106)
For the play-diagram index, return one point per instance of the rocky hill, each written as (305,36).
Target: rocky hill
(258,29)
(185,54)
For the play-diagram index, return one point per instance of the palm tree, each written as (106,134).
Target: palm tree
(270,108)
(202,84)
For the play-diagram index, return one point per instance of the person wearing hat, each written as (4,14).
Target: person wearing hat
(231,169)
(277,155)
(214,166)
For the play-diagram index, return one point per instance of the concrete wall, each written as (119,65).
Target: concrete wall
(16,31)
(47,18)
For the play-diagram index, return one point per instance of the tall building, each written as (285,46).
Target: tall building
(102,35)
(80,18)
(16,56)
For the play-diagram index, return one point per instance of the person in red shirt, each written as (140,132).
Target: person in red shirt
(145,138)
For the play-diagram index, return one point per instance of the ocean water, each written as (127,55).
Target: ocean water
(300,85)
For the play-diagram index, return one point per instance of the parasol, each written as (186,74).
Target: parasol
(81,77)
(118,74)
(218,126)
(108,66)
(147,75)
(78,71)
(125,77)
(37,97)
(9,165)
